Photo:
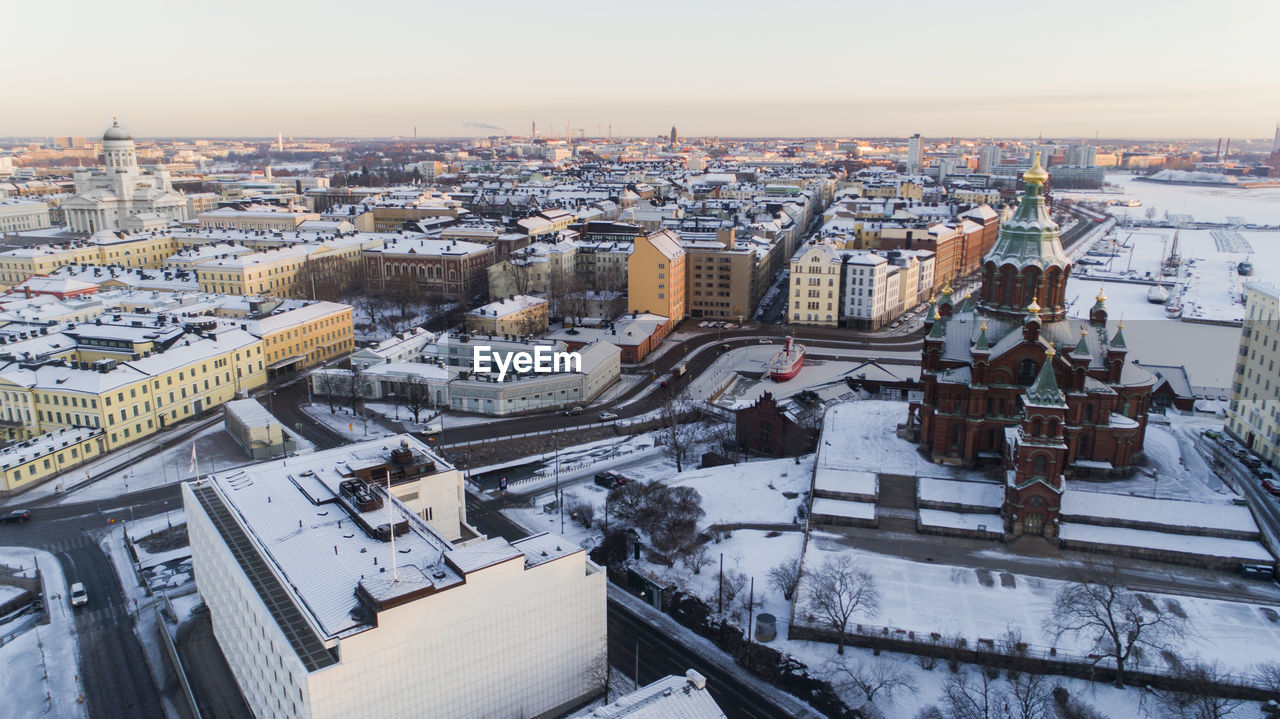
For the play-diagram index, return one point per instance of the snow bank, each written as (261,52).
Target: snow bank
(840,508)
(959,492)
(1166,542)
(989,523)
(1171,512)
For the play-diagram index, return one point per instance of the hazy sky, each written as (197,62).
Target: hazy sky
(1122,67)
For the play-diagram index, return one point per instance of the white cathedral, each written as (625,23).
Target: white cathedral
(121,196)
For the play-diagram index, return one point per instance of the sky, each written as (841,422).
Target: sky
(1119,68)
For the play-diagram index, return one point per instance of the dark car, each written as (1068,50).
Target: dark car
(609,480)
(1271,487)
(18,515)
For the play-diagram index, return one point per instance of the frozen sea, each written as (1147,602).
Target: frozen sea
(1208,285)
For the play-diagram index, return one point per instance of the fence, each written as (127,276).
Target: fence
(1025,657)
(171,652)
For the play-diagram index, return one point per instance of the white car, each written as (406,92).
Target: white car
(606,416)
(78,595)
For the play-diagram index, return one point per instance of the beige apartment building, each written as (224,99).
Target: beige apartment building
(1254,413)
(656,276)
(516,315)
(814,292)
(722,280)
(258,217)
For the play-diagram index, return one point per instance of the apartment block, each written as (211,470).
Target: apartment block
(1253,416)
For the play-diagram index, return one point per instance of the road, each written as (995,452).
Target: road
(659,656)
(113,668)
(288,399)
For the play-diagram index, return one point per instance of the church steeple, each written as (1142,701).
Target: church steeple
(1027,260)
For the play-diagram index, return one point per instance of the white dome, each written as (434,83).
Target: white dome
(115,132)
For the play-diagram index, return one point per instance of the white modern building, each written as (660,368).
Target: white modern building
(332,598)
(866,295)
(670,697)
(915,153)
(449,379)
(21,215)
(1254,413)
(122,196)
(989,158)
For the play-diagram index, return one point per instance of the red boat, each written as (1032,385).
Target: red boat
(788,362)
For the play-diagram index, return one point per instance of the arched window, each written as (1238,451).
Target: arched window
(1031,287)
(1037,427)
(1088,413)
(1054,427)
(955,436)
(1027,372)
(1039,466)
(1006,282)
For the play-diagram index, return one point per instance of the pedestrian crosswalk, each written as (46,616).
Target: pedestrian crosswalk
(67,544)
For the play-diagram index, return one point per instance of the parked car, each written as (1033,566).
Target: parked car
(78,595)
(1252,462)
(573,412)
(1257,571)
(609,480)
(766,342)
(1271,487)
(606,416)
(18,515)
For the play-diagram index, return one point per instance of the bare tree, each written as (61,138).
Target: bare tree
(415,395)
(839,590)
(678,436)
(352,384)
(879,681)
(1028,697)
(580,510)
(1115,620)
(732,583)
(786,577)
(1268,677)
(696,558)
(517,271)
(977,699)
(333,386)
(1193,697)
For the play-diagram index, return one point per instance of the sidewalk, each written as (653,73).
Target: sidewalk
(54,489)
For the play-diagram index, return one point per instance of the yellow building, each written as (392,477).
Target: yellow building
(295,338)
(516,315)
(115,379)
(279,272)
(256,217)
(656,276)
(102,248)
(26,464)
(814,293)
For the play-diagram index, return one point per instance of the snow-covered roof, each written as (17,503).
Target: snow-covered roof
(671,697)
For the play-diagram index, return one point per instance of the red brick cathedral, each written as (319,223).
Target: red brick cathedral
(1009,380)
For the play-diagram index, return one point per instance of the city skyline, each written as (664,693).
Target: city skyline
(1015,70)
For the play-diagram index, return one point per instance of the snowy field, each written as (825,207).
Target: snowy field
(39,678)
(352,428)
(865,438)
(1205,204)
(1236,634)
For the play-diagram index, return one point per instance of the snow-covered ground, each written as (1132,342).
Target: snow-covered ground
(345,424)
(39,678)
(865,438)
(1236,634)
(1205,204)
(215,449)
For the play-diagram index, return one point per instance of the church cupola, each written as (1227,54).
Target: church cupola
(945,306)
(1027,260)
(118,151)
(1031,323)
(1116,351)
(1098,313)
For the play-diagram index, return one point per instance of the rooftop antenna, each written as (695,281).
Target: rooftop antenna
(391,526)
